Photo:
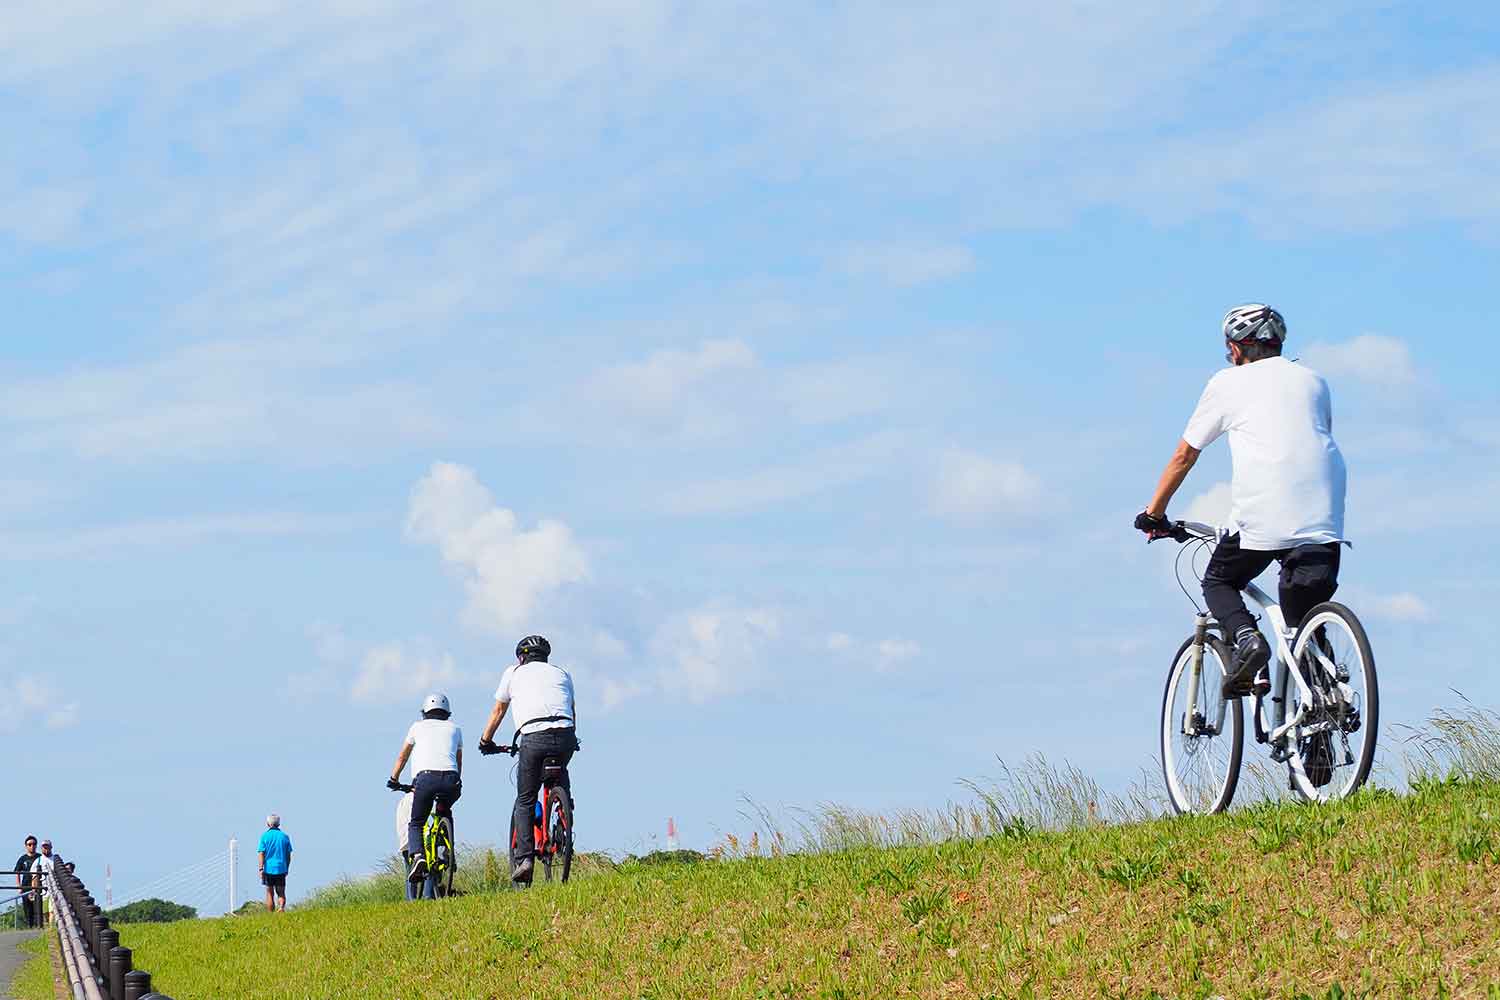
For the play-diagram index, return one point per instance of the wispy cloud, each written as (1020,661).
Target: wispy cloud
(35,700)
(779,484)
(1378,360)
(714,651)
(392,672)
(169,532)
(906,264)
(970,485)
(1403,607)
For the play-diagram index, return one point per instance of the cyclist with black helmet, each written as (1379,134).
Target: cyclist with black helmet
(542,695)
(1288,489)
(435,746)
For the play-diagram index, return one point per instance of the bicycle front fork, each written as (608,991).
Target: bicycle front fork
(1192,724)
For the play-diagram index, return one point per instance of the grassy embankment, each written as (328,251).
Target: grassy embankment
(1395,895)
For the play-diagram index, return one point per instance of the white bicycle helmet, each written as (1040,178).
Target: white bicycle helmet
(1254,321)
(437,701)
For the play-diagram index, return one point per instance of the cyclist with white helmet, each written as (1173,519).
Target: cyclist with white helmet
(1288,489)
(434,745)
(546,721)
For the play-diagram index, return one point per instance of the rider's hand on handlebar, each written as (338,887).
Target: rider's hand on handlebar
(393,784)
(1154,527)
(489,747)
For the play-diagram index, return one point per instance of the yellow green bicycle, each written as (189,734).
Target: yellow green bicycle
(439,848)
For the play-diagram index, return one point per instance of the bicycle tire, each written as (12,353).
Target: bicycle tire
(1322,616)
(443,886)
(560,833)
(1220,793)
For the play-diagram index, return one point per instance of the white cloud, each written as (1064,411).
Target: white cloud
(392,672)
(973,485)
(906,264)
(507,571)
(1402,607)
(1379,360)
(28,698)
(1212,506)
(715,651)
(892,653)
(839,641)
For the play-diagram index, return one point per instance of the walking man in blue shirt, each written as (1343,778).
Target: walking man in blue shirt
(275,861)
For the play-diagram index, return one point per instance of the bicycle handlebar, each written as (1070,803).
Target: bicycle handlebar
(490,749)
(1179,531)
(399,787)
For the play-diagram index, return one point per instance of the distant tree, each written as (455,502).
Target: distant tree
(151,911)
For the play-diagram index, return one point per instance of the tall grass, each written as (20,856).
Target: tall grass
(1039,795)
(1462,745)
(481,869)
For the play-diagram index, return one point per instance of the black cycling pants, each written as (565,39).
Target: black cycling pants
(428,789)
(536,748)
(1309,576)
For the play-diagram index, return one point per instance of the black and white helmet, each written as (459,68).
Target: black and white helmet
(1254,321)
(533,647)
(435,702)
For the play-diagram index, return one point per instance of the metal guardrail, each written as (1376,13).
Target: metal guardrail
(98,967)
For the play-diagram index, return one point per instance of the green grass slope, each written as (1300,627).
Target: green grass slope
(1383,895)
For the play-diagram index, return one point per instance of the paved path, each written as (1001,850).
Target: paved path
(10,957)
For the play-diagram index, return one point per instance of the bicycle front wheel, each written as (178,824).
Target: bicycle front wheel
(559,827)
(1202,733)
(1334,747)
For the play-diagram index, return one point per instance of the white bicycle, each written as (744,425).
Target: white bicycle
(1320,718)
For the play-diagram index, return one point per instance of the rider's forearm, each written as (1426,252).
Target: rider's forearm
(1178,467)
(496,714)
(400,762)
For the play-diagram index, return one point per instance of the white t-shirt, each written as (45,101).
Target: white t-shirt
(403,819)
(44,866)
(535,691)
(434,744)
(1289,475)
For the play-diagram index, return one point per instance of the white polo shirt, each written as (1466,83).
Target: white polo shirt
(435,744)
(536,691)
(1289,475)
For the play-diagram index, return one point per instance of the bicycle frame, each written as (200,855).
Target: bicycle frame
(1274,722)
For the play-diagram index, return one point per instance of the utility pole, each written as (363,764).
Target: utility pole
(671,834)
(234,874)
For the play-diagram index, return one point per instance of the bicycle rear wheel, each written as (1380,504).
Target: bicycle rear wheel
(447,857)
(1333,749)
(1201,751)
(559,827)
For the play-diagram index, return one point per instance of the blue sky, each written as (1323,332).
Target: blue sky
(797,371)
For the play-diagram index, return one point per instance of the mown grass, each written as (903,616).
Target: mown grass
(1383,895)
(34,980)
(1039,887)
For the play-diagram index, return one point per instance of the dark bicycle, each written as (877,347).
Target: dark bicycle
(552,818)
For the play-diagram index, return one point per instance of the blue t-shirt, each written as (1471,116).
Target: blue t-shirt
(277,847)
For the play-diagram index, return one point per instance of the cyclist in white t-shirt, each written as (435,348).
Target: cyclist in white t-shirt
(1289,485)
(546,721)
(434,744)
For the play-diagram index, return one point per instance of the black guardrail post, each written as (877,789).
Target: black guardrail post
(138,985)
(97,926)
(109,940)
(119,968)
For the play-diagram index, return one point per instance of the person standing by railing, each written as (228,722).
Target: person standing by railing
(29,903)
(41,878)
